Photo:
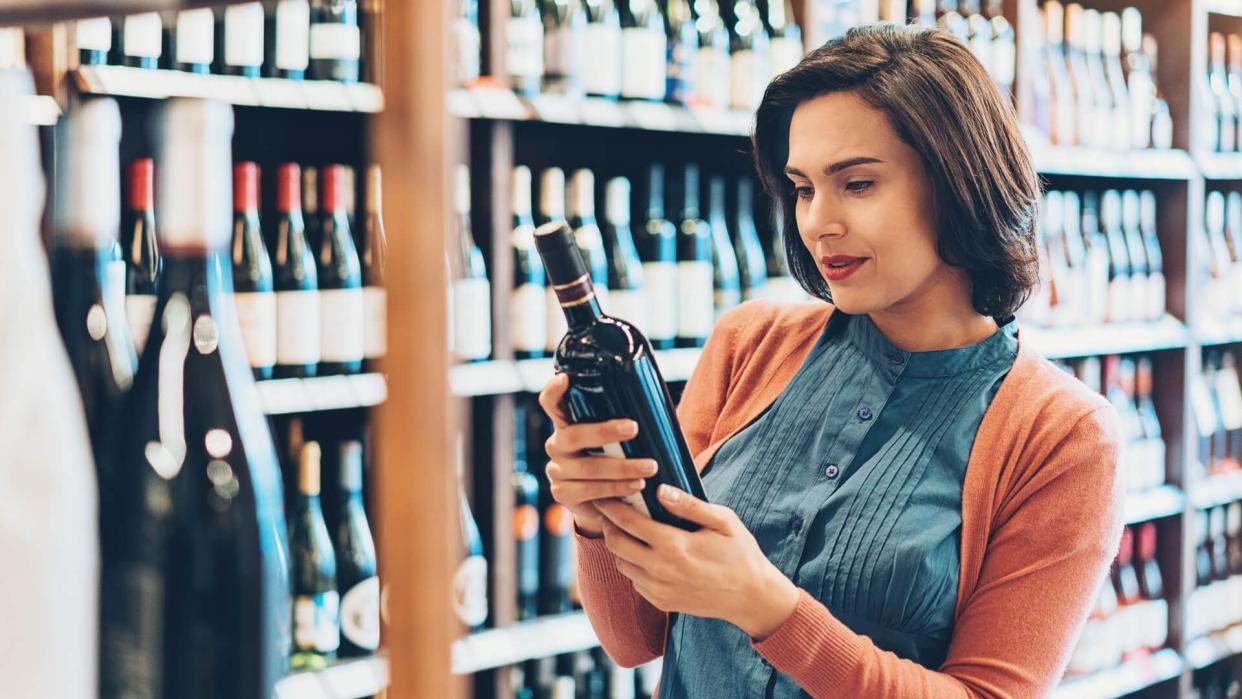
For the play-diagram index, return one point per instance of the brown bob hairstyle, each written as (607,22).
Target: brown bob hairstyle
(941,102)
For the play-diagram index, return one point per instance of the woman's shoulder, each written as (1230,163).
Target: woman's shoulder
(771,322)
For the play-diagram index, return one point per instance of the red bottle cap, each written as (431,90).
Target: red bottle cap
(1125,553)
(1147,541)
(333,189)
(141,184)
(245,187)
(288,188)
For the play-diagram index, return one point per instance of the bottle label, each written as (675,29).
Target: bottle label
(317,622)
(470,591)
(711,65)
(629,305)
(360,621)
(243,34)
(468,45)
(602,59)
(292,34)
(555,318)
(144,35)
(634,500)
(786,53)
(196,36)
(94,34)
(526,314)
(1155,289)
(340,42)
(643,70)
(375,304)
(661,316)
(297,327)
(1119,299)
(256,313)
(748,75)
(341,330)
(695,307)
(472,299)
(139,311)
(524,47)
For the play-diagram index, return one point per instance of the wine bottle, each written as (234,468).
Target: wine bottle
(1220,298)
(564,25)
(240,40)
(296,281)
(470,580)
(335,41)
(612,374)
(340,282)
(467,42)
(644,48)
(88,310)
(979,34)
(1104,268)
(253,293)
(374,257)
(524,46)
(1106,108)
(1121,279)
(1224,105)
(94,40)
(310,205)
(556,543)
(601,39)
(1083,294)
(1064,112)
(1151,587)
(356,581)
(695,271)
(316,598)
(1234,71)
(141,40)
(371,26)
(681,47)
(1079,75)
(1119,130)
(142,257)
(627,292)
(581,209)
(751,265)
(1004,47)
(657,248)
(287,40)
(525,513)
(750,62)
(195,580)
(1161,117)
(949,19)
(726,281)
(786,36)
(552,208)
(781,286)
(191,41)
(472,292)
(1233,238)
(1139,83)
(1153,437)
(349,192)
(527,306)
(1140,279)
(711,63)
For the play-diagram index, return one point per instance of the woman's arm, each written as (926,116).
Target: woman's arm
(1014,636)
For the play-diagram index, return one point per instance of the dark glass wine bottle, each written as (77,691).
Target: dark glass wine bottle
(190,41)
(340,283)
(94,40)
(239,40)
(601,72)
(470,580)
(287,39)
(695,272)
(786,36)
(556,544)
(524,47)
(142,256)
(316,599)
(644,49)
(580,204)
(711,63)
(139,40)
(253,293)
(296,281)
(657,248)
(525,513)
(726,282)
(374,257)
(612,374)
(750,58)
(751,263)
(564,24)
(310,205)
(195,565)
(355,561)
(335,40)
(472,292)
(528,305)
(682,46)
(627,292)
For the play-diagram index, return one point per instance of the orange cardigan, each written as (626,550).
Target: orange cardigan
(1041,522)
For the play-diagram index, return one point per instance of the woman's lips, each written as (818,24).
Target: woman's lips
(838,267)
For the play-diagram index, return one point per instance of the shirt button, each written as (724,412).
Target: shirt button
(895,358)
(832,471)
(865,414)
(796,524)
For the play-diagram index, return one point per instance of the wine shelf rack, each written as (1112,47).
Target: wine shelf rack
(1217,490)
(350,679)
(1228,8)
(1154,503)
(1206,650)
(539,638)
(1131,676)
(288,396)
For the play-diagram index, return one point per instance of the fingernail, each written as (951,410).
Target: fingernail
(628,428)
(651,468)
(637,484)
(670,494)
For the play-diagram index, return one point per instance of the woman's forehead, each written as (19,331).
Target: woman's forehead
(838,126)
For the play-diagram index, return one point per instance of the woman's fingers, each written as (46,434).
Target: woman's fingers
(573,494)
(600,468)
(571,440)
(551,397)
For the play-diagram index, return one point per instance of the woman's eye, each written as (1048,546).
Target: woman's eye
(804,192)
(859,186)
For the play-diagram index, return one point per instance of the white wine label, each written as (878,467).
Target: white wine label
(644,63)
(375,322)
(1155,297)
(630,306)
(661,279)
(786,53)
(634,500)
(1119,299)
(468,45)
(196,36)
(1141,93)
(144,35)
(360,614)
(527,318)
(256,313)
(695,305)
(341,329)
(292,34)
(470,591)
(555,317)
(472,301)
(748,74)
(297,327)
(94,34)
(114,291)
(139,311)
(563,53)
(317,622)
(711,65)
(602,57)
(243,34)
(524,47)
(335,41)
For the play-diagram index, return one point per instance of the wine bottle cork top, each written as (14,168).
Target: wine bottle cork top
(308,480)
(351,466)
(88,187)
(552,193)
(582,194)
(617,201)
(521,191)
(375,189)
(1132,29)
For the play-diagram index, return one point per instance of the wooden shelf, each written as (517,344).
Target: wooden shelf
(1214,491)
(351,679)
(1127,678)
(287,396)
(1230,8)
(1206,650)
(41,110)
(1219,332)
(1154,503)
(540,638)
(1114,338)
(322,95)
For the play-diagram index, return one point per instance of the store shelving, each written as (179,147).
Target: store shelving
(540,638)
(1229,8)
(1116,338)
(41,110)
(1206,650)
(286,396)
(350,679)
(1154,503)
(501,376)
(1127,678)
(1217,490)
(1222,332)
(1137,164)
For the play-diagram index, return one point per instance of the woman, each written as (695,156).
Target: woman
(906,502)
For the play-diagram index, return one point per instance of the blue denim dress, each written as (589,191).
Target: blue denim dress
(852,484)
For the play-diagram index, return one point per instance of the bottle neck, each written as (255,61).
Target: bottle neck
(579,302)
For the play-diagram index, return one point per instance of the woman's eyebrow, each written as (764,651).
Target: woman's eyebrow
(837,166)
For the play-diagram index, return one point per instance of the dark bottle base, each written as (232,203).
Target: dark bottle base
(340,368)
(195,68)
(691,341)
(243,71)
(663,344)
(294,371)
(349,650)
(262,373)
(375,365)
(92,58)
(528,354)
(339,71)
(145,62)
(285,74)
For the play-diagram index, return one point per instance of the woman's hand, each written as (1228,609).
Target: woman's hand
(718,571)
(580,480)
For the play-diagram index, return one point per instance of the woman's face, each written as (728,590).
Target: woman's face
(864,208)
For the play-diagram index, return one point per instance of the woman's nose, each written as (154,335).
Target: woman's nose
(821,221)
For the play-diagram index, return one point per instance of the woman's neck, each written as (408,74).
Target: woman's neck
(940,316)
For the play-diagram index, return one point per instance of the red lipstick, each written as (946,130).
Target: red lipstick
(838,267)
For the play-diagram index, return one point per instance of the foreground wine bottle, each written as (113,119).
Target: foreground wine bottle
(316,601)
(195,598)
(142,256)
(355,562)
(612,374)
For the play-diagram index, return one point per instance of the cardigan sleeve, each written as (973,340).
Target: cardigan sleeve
(1049,549)
(630,629)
